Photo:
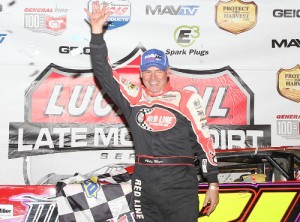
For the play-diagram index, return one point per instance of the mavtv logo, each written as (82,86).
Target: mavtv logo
(171,10)
(2,37)
(284,43)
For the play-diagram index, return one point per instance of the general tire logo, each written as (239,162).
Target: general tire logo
(288,126)
(40,20)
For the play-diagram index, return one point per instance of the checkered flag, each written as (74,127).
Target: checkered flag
(107,197)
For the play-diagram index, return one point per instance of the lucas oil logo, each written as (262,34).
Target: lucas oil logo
(120,13)
(155,119)
(66,108)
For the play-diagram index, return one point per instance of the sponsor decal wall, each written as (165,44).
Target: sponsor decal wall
(240,56)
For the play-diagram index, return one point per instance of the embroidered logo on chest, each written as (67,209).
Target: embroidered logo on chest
(155,119)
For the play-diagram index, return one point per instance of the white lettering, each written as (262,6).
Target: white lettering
(61,132)
(124,132)
(229,139)
(44,132)
(100,107)
(165,119)
(77,135)
(137,203)
(112,134)
(255,134)
(72,108)
(55,23)
(216,110)
(236,138)
(21,146)
(52,108)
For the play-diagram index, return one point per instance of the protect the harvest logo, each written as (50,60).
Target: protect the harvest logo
(236,16)
(288,83)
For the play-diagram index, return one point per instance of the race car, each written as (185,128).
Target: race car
(255,185)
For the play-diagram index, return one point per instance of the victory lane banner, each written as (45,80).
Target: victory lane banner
(67,110)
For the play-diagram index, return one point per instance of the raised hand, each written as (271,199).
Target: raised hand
(98,17)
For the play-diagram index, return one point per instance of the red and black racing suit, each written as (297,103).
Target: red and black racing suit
(171,124)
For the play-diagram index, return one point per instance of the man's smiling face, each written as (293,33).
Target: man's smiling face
(155,79)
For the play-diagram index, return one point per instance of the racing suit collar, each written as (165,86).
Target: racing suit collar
(167,88)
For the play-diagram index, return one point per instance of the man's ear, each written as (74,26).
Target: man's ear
(168,70)
(141,73)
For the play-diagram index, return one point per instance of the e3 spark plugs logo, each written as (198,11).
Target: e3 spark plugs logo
(185,36)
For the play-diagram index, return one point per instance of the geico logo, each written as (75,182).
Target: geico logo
(68,49)
(286,13)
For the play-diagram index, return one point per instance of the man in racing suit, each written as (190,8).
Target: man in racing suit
(169,129)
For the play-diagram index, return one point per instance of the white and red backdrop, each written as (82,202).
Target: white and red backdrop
(241,56)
